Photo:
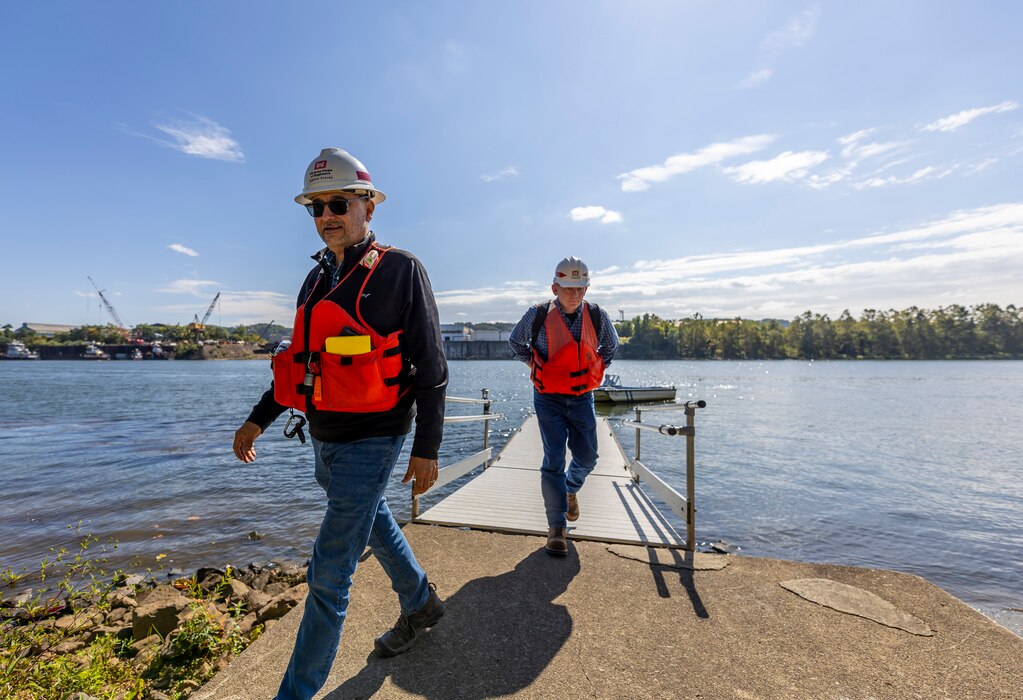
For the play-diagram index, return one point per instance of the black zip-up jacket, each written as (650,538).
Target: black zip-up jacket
(398,296)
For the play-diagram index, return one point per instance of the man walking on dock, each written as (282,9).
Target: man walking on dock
(567,342)
(365,359)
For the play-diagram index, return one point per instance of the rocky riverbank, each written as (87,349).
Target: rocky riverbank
(136,639)
(244,351)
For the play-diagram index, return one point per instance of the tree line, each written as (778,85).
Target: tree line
(112,335)
(951,332)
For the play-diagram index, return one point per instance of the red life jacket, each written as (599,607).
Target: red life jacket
(572,367)
(365,383)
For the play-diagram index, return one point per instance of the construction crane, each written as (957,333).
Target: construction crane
(266,329)
(198,327)
(109,307)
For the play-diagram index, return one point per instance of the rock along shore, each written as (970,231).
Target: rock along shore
(170,633)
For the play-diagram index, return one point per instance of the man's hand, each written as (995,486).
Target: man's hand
(425,472)
(243,439)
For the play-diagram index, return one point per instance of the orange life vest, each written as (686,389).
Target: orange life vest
(572,367)
(364,383)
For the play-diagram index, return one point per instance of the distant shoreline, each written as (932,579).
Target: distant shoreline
(453,350)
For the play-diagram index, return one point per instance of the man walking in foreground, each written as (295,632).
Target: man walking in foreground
(567,343)
(365,358)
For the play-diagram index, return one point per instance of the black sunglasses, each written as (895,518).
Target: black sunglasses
(338,207)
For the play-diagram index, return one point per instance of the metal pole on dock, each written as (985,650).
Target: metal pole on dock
(690,478)
(486,423)
(639,419)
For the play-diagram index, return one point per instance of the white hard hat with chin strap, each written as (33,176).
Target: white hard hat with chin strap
(334,170)
(572,272)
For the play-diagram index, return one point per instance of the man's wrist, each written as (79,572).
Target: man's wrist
(425,451)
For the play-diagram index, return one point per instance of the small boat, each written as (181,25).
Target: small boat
(16,350)
(93,352)
(159,353)
(613,391)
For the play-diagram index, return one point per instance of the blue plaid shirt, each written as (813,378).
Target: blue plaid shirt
(328,258)
(607,336)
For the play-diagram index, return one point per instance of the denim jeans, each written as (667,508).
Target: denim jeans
(564,419)
(354,476)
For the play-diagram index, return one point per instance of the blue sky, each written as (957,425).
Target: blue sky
(723,158)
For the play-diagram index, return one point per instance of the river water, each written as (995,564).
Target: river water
(913,466)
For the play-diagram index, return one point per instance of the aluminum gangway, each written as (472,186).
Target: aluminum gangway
(505,496)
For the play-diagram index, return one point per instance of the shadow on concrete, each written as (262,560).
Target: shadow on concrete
(681,563)
(498,635)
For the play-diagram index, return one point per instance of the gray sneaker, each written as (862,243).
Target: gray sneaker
(406,630)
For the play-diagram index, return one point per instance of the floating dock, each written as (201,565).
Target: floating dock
(506,496)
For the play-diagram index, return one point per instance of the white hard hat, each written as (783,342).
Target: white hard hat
(572,272)
(335,169)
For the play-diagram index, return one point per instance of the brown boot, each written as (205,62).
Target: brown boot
(556,542)
(573,508)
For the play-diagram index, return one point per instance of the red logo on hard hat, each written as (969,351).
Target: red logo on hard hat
(362,175)
(319,165)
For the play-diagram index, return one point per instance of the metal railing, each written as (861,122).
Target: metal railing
(683,506)
(446,475)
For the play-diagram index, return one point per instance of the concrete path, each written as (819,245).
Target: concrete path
(603,624)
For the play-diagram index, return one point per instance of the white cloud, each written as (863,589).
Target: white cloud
(961,119)
(859,151)
(178,248)
(821,181)
(757,77)
(202,137)
(796,32)
(969,256)
(856,136)
(982,165)
(510,171)
(606,216)
(198,288)
(929,172)
(787,166)
(640,179)
(241,307)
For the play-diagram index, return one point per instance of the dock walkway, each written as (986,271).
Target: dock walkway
(506,496)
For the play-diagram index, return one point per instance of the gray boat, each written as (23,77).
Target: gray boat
(612,391)
(16,350)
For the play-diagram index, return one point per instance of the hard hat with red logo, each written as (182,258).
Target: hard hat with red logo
(335,169)
(572,272)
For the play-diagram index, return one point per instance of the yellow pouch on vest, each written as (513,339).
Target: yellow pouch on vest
(348,344)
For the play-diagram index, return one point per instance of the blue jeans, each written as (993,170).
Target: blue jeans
(354,476)
(564,419)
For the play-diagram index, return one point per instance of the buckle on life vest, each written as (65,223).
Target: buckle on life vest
(290,432)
